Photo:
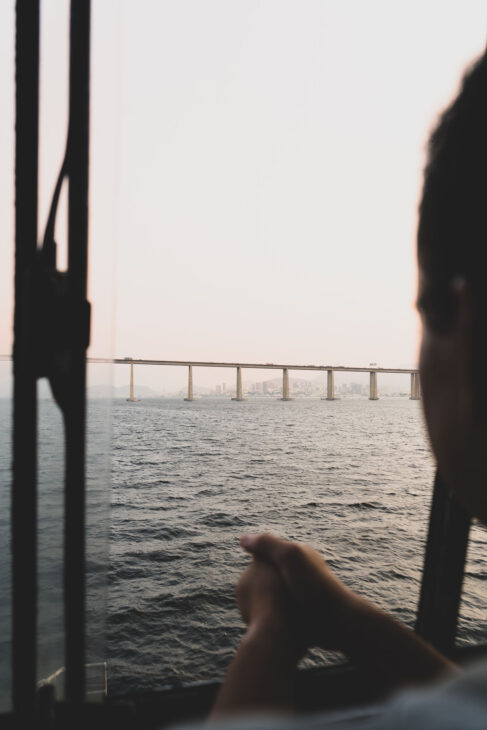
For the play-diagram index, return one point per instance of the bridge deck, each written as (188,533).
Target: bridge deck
(249,365)
(254,366)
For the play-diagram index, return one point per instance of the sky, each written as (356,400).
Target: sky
(255,173)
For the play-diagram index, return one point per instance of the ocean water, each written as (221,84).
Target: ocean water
(351,477)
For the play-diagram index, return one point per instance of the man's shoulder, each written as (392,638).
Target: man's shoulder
(458,702)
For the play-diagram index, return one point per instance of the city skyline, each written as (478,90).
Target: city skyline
(299,388)
(314,385)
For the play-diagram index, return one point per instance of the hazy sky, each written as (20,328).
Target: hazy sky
(256,167)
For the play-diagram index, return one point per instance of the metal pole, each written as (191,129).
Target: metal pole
(75,414)
(444,564)
(24,487)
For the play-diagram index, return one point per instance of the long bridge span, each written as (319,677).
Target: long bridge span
(372,369)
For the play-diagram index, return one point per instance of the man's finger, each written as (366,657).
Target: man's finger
(269,547)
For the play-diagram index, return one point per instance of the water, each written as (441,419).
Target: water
(351,477)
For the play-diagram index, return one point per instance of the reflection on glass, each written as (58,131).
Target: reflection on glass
(50,541)
(106,73)
(97,525)
(50,501)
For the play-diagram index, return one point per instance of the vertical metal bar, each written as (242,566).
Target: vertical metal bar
(75,413)
(24,509)
(444,564)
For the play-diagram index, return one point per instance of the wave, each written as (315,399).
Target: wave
(221,519)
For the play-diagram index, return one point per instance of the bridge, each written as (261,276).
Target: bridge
(373,370)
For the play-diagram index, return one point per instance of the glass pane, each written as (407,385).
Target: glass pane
(257,193)
(268,209)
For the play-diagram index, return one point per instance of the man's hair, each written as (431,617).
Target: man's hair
(452,233)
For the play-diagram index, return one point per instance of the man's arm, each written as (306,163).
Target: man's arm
(261,675)
(291,600)
(333,617)
(396,655)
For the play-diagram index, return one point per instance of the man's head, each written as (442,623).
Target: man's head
(452,296)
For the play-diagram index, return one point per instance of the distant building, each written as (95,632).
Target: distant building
(218,389)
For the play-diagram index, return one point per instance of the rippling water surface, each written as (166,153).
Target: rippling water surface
(351,477)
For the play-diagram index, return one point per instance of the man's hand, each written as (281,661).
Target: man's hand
(267,606)
(261,676)
(333,617)
(322,607)
(260,594)
(289,592)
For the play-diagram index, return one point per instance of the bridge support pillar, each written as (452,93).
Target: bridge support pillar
(238,392)
(415,387)
(190,383)
(132,397)
(330,385)
(373,392)
(285,385)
